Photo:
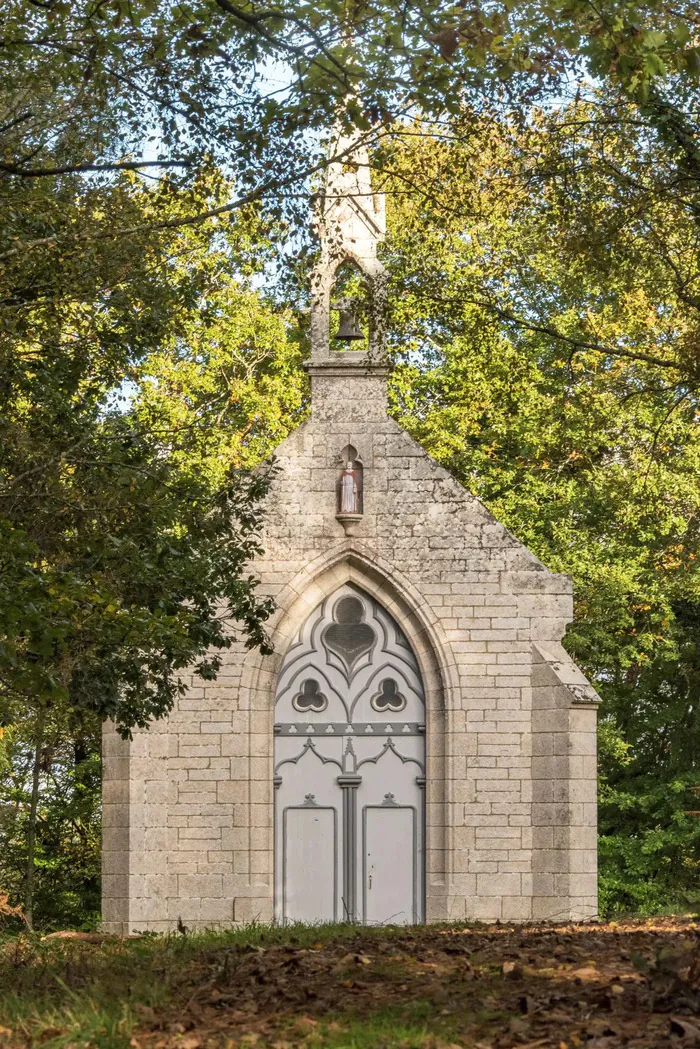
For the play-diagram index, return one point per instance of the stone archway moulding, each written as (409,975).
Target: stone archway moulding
(352,562)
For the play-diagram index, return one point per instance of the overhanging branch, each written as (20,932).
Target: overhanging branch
(72,169)
(186,220)
(577,344)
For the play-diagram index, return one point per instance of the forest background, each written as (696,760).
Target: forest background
(542,172)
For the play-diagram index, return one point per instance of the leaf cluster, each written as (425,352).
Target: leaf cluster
(545,339)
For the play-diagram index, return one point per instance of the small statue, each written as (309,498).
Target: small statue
(349,502)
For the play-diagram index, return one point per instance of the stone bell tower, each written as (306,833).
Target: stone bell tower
(350,223)
(419,746)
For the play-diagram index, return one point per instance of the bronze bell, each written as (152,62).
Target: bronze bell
(348,328)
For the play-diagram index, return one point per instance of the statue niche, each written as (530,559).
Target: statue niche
(349,493)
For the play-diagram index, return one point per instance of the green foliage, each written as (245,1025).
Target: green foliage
(649,820)
(539,334)
(231,384)
(138,388)
(67,861)
(120,552)
(106,76)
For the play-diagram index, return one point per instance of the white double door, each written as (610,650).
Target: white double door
(349,769)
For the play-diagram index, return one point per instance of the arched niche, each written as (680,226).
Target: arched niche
(349,455)
(350,562)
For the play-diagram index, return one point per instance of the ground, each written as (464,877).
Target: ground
(598,986)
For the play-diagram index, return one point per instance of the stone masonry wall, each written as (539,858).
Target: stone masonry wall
(510,823)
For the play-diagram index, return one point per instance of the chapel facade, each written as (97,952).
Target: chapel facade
(419,746)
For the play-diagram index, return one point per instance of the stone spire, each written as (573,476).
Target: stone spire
(350,222)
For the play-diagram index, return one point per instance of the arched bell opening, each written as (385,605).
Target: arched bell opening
(350,768)
(351,312)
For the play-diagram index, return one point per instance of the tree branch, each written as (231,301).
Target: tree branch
(253,21)
(577,344)
(187,220)
(70,169)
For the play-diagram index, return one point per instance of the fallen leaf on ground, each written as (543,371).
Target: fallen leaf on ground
(686,1029)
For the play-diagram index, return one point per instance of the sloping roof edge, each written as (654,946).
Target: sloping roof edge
(567,673)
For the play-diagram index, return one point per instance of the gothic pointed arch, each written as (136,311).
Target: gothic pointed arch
(349,693)
(351,561)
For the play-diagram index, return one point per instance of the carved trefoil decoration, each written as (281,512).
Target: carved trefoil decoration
(348,640)
(310,697)
(388,698)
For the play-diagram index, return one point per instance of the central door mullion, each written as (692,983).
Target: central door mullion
(349,782)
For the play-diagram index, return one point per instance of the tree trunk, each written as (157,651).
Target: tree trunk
(31,834)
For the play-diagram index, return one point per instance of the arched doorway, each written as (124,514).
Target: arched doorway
(349,768)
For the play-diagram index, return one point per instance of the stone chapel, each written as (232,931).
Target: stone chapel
(419,746)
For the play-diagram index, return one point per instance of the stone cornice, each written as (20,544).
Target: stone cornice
(358,366)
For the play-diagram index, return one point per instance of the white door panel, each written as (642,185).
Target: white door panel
(310,864)
(390,855)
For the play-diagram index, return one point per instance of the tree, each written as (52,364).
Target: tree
(230,386)
(82,81)
(123,550)
(219,389)
(117,553)
(65,841)
(539,333)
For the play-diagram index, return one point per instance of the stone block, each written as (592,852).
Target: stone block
(484,909)
(115,886)
(514,866)
(498,885)
(114,863)
(146,909)
(232,791)
(463,884)
(550,861)
(583,861)
(502,832)
(550,908)
(518,909)
(575,838)
(200,886)
(261,862)
(184,909)
(576,884)
(217,910)
(545,606)
(247,909)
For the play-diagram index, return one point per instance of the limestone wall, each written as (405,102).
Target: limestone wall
(510,822)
